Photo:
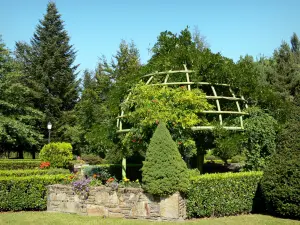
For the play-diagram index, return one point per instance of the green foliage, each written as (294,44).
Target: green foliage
(58,154)
(281,180)
(114,170)
(18,118)
(238,159)
(17,164)
(164,172)
(179,107)
(228,143)
(92,159)
(30,172)
(26,193)
(260,131)
(222,194)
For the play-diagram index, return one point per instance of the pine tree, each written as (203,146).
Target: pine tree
(49,62)
(164,171)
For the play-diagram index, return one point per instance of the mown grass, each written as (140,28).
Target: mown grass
(37,218)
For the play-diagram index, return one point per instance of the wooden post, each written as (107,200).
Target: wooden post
(124,168)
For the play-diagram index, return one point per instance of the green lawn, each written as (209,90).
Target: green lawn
(37,218)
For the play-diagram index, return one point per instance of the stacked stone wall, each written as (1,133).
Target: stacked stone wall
(123,203)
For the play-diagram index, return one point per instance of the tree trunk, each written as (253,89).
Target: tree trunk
(200,161)
(33,155)
(20,154)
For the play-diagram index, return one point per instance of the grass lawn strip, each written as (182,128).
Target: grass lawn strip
(45,218)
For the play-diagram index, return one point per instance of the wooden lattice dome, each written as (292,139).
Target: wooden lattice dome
(228,105)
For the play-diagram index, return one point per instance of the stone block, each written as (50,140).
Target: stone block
(113,199)
(96,210)
(140,209)
(102,198)
(169,206)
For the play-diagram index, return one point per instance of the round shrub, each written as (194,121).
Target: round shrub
(59,154)
(164,172)
(281,180)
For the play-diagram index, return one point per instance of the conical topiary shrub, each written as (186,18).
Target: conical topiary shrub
(164,172)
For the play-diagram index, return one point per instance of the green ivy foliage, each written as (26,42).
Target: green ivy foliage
(222,194)
(281,180)
(260,131)
(164,172)
(59,154)
(26,193)
(178,107)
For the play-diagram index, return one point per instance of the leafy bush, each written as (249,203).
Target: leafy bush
(101,172)
(164,172)
(222,194)
(30,172)
(210,157)
(238,159)
(114,170)
(26,193)
(92,159)
(228,143)
(18,164)
(281,180)
(58,154)
(260,130)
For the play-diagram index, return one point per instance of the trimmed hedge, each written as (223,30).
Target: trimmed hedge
(133,171)
(19,164)
(222,194)
(29,172)
(26,193)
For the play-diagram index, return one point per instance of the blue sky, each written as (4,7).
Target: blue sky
(96,27)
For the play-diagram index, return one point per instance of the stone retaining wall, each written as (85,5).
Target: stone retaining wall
(124,203)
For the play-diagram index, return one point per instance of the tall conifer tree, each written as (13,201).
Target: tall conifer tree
(51,64)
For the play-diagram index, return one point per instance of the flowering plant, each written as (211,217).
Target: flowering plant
(81,187)
(112,182)
(45,165)
(127,183)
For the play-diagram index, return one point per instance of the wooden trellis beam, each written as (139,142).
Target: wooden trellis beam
(174,71)
(213,127)
(238,107)
(188,83)
(187,77)
(149,80)
(218,105)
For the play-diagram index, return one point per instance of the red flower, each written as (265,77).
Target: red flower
(133,140)
(44,165)
(111,179)
(179,142)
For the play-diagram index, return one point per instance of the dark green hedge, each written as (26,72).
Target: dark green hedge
(26,193)
(133,171)
(222,194)
(19,164)
(29,172)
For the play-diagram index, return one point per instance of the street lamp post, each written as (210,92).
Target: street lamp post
(49,126)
